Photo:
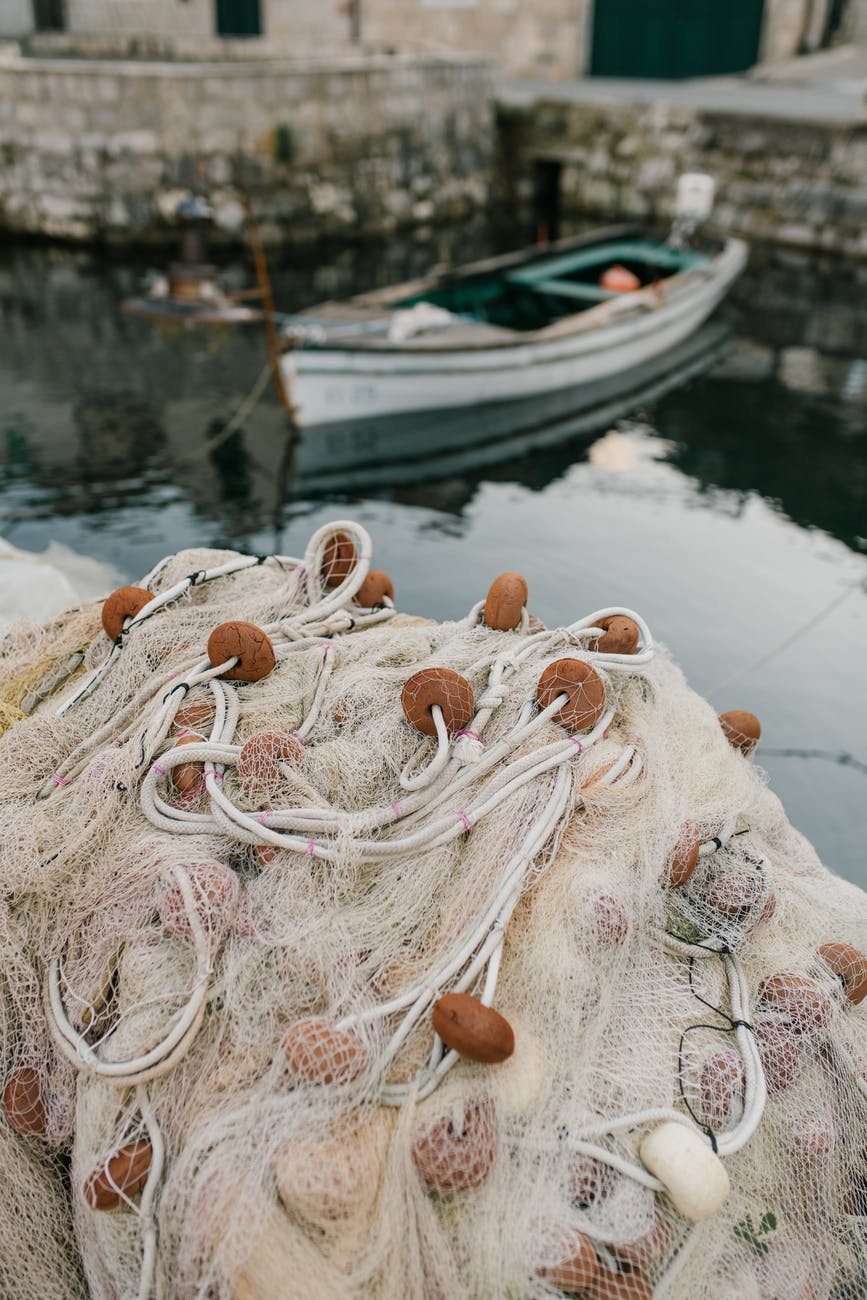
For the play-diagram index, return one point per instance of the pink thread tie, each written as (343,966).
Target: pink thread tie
(59,780)
(577,742)
(311,848)
(262,817)
(465,731)
(395,808)
(160,771)
(468,825)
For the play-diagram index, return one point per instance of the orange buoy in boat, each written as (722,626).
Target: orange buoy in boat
(442,686)
(619,279)
(122,604)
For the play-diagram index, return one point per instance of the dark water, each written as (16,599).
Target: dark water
(729,506)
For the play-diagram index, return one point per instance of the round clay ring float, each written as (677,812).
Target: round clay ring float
(630,1284)
(320,1053)
(573,1264)
(260,758)
(849,965)
(245,642)
(122,1175)
(453,1158)
(373,591)
(339,559)
(780,1052)
(476,1032)
(24,1103)
(683,860)
(621,636)
(741,729)
(122,604)
(507,596)
(442,686)
(188,776)
(200,709)
(215,893)
(722,1079)
(583,685)
(805,1005)
(734,894)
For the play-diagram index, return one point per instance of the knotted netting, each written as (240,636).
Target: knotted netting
(350,954)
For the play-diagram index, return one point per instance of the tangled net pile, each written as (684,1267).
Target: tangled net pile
(347,954)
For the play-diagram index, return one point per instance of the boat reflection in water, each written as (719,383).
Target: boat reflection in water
(423,446)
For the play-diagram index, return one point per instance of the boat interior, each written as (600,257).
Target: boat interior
(529,297)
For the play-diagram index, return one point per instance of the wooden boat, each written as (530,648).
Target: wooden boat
(510,328)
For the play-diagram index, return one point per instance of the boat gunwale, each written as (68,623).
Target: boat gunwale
(597,317)
(644,305)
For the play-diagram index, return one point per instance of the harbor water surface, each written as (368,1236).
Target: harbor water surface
(724,495)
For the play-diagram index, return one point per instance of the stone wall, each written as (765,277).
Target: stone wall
(803,184)
(102,150)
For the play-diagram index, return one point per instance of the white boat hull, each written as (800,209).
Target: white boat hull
(333,384)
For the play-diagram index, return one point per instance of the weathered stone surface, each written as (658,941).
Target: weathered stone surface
(795,183)
(96,149)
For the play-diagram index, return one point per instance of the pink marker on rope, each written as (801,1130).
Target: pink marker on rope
(262,817)
(160,771)
(395,808)
(605,733)
(59,780)
(298,738)
(311,848)
(576,741)
(465,731)
(468,825)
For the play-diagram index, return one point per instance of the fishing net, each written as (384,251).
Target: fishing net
(349,954)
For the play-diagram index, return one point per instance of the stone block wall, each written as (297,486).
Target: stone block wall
(803,184)
(102,150)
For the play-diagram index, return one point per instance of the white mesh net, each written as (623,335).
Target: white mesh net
(395,971)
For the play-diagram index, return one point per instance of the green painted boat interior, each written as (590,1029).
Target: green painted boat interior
(548,288)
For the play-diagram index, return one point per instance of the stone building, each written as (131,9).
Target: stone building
(540,38)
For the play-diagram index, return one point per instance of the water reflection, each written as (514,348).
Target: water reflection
(724,494)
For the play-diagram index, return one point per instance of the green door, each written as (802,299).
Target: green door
(674,38)
(238,18)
